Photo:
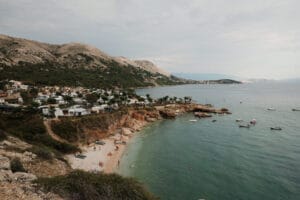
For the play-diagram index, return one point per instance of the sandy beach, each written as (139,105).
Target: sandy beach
(104,158)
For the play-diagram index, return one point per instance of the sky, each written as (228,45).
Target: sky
(244,38)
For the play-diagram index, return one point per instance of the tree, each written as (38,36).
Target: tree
(91,98)
(51,101)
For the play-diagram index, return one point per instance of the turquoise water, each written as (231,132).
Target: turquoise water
(181,160)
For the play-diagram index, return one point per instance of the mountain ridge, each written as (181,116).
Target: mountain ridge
(35,61)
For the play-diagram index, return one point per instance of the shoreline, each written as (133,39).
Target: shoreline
(106,158)
(109,154)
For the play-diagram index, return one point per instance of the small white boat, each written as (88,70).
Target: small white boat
(294,109)
(239,120)
(271,109)
(192,120)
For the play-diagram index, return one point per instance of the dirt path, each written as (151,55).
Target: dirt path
(47,124)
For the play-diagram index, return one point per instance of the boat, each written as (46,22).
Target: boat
(99,142)
(244,126)
(271,109)
(276,128)
(214,120)
(81,156)
(295,109)
(253,121)
(192,120)
(239,120)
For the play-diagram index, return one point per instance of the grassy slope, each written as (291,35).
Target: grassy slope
(112,76)
(81,185)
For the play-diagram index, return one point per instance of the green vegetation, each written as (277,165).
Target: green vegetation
(42,152)
(3,136)
(71,128)
(81,185)
(112,76)
(16,165)
(67,129)
(28,126)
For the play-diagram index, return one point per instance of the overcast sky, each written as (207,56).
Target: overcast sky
(247,38)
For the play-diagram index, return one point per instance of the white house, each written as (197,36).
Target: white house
(78,111)
(97,109)
(58,112)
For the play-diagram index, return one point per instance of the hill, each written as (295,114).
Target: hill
(75,64)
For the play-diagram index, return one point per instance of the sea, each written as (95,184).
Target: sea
(183,160)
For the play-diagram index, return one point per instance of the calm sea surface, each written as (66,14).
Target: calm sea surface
(181,160)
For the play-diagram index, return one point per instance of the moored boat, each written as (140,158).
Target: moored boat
(244,126)
(276,128)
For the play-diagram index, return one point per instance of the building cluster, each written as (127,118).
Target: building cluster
(55,101)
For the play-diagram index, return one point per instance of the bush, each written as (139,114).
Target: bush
(29,127)
(42,152)
(3,136)
(82,185)
(66,129)
(16,165)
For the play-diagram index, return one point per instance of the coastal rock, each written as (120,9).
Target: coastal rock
(23,177)
(4,163)
(126,131)
(167,114)
(6,176)
(202,114)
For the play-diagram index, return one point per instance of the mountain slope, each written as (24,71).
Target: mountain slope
(74,64)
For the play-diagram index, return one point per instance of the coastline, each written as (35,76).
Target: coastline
(106,157)
(109,154)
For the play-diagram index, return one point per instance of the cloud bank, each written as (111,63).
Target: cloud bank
(248,38)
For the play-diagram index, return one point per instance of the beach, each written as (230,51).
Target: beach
(102,158)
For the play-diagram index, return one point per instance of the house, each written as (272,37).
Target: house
(46,110)
(78,100)
(77,111)
(14,99)
(58,112)
(3,94)
(98,109)
(60,100)
(42,97)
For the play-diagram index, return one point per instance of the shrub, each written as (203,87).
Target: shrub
(29,127)
(66,129)
(82,185)
(16,165)
(3,136)
(42,152)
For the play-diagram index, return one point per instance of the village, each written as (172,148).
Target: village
(59,101)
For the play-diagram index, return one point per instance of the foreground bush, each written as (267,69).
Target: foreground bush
(2,135)
(29,127)
(42,152)
(16,165)
(80,185)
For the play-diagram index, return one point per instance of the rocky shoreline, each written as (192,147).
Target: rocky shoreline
(119,133)
(19,185)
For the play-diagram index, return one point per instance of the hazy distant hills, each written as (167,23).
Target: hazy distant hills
(75,64)
(204,76)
